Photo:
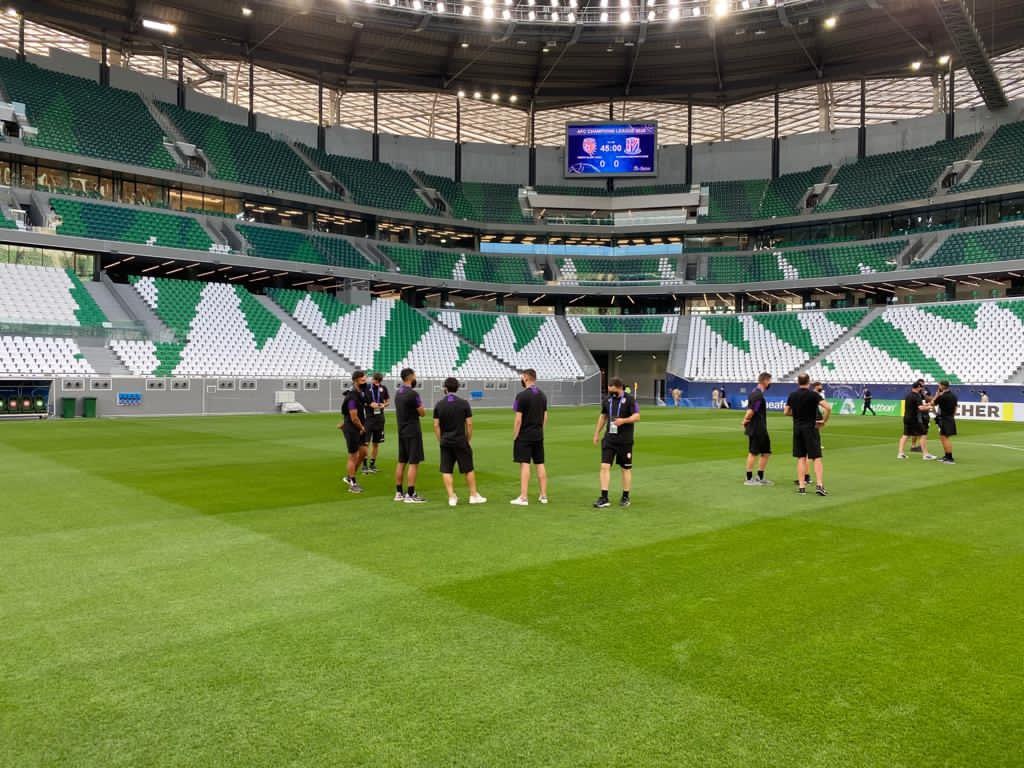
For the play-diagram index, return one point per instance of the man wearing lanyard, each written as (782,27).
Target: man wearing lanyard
(379,399)
(619,412)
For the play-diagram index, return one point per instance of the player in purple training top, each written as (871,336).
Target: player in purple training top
(408,412)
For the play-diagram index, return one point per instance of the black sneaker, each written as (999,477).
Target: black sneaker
(802,491)
(602,502)
(947,460)
(624,502)
(915,449)
(820,490)
(355,488)
(414,499)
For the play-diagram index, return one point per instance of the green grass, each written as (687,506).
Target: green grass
(200,592)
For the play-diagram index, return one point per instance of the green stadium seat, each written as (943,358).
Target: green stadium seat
(129,225)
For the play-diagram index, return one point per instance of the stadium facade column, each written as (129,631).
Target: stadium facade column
(775,140)
(252,95)
(862,129)
(457,175)
(321,131)
(376,123)
(181,82)
(104,66)
(21,38)
(951,104)
(689,142)
(531,172)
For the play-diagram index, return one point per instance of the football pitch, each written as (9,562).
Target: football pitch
(204,592)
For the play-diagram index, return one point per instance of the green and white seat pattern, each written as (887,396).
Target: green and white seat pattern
(389,335)
(45,296)
(41,355)
(739,347)
(223,330)
(961,341)
(648,324)
(522,341)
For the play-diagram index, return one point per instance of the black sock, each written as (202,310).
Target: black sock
(760,474)
(807,478)
(604,494)
(625,494)
(412,490)
(398,489)
(749,475)
(352,479)
(373,462)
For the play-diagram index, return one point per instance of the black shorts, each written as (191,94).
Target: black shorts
(410,449)
(806,442)
(759,444)
(375,428)
(947,426)
(525,451)
(375,436)
(913,428)
(452,455)
(354,439)
(617,453)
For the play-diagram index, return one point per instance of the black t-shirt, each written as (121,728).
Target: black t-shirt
(376,396)
(353,400)
(616,407)
(533,404)
(451,413)
(911,406)
(758,424)
(803,403)
(867,394)
(407,405)
(946,404)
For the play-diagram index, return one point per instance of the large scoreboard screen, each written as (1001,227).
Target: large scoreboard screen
(611,149)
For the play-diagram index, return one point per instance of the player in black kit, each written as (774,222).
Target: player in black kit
(914,407)
(755,427)
(353,427)
(803,405)
(945,404)
(531,407)
(453,427)
(408,412)
(619,412)
(378,398)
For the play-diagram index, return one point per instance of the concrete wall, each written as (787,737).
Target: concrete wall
(732,160)
(153,87)
(808,150)
(644,368)
(68,63)
(430,155)
(490,162)
(290,129)
(349,142)
(200,102)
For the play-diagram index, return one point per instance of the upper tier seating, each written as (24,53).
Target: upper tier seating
(783,195)
(378,185)
(894,176)
(479,201)
(46,296)
(297,245)
(734,200)
(388,335)
(859,259)
(666,324)
(246,156)
(41,355)
(454,265)
(130,225)
(1001,160)
(1001,244)
(81,117)
(584,270)
(522,341)
(739,347)
(222,330)
(977,342)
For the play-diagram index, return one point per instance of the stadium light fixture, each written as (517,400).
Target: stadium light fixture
(513,98)
(745,5)
(696,11)
(461,94)
(604,3)
(467,10)
(915,65)
(439,7)
(574,3)
(417,5)
(721,8)
(944,60)
(477,95)
(571,18)
(673,14)
(530,16)
(624,17)
(769,3)
(554,16)
(651,14)
(246,11)
(677,45)
(157,26)
(506,14)
(495,96)
(488,13)
(830,22)
(624,4)
(604,17)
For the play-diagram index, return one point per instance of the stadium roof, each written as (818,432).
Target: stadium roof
(711,52)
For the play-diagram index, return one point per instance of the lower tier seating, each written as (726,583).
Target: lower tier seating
(581,271)
(767,266)
(45,296)
(41,356)
(979,246)
(129,225)
(455,265)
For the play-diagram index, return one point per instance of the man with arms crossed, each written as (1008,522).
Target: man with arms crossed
(453,427)
(531,407)
(408,412)
(619,412)
(914,407)
(378,399)
(353,427)
(945,404)
(755,427)
(803,405)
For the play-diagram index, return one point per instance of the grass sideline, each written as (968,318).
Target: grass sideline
(202,592)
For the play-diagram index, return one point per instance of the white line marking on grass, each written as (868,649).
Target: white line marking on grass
(993,445)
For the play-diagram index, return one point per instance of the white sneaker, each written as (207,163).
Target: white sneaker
(453,500)
(901,455)
(518,501)
(929,457)
(476,499)
(543,499)
(399,496)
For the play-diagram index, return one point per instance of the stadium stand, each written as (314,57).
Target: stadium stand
(859,259)
(1001,161)
(81,117)
(221,330)
(976,342)
(1001,244)
(739,347)
(45,296)
(388,335)
(378,185)
(130,225)
(666,324)
(245,156)
(455,265)
(41,355)
(479,201)
(581,271)
(894,176)
(522,341)
(783,195)
(734,200)
(296,245)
